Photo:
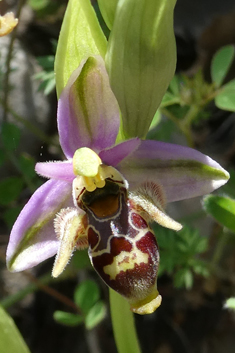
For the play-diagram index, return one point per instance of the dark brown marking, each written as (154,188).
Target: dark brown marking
(118,245)
(106,206)
(138,221)
(93,237)
(147,242)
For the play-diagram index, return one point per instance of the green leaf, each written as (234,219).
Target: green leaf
(141,59)
(169,99)
(48,81)
(156,120)
(38,4)
(47,62)
(86,295)
(95,315)
(47,87)
(11,340)
(178,250)
(225,99)
(167,263)
(10,136)
(167,241)
(80,260)
(222,209)
(183,277)
(27,165)
(67,319)
(179,111)
(80,37)
(2,157)
(174,85)
(201,244)
(107,9)
(191,242)
(230,303)
(10,189)
(164,130)
(221,64)
(200,267)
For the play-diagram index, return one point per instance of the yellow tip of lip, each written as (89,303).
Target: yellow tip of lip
(149,305)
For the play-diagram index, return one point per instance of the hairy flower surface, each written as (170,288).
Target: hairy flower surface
(104,195)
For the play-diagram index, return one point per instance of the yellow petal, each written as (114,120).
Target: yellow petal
(7,23)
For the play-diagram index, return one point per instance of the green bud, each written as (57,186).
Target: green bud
(107,9)
(141,59)
(81,36)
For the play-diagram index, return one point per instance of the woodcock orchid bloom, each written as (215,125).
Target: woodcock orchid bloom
(104,195)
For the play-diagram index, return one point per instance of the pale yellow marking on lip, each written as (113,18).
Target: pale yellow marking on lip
(125,261)
(147,305)
(107,250)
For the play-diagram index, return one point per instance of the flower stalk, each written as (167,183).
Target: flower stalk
(123,325)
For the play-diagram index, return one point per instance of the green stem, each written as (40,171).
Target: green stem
(191,114)
(184,124)
(187,122)
(176,100)
(223,240)
(171,116)
(123,324)
(211,96)
(39,284)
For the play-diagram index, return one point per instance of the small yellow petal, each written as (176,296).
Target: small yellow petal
(7,23)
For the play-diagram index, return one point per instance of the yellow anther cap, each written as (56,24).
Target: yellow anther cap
(86,162)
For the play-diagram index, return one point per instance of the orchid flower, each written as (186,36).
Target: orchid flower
(105,194)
